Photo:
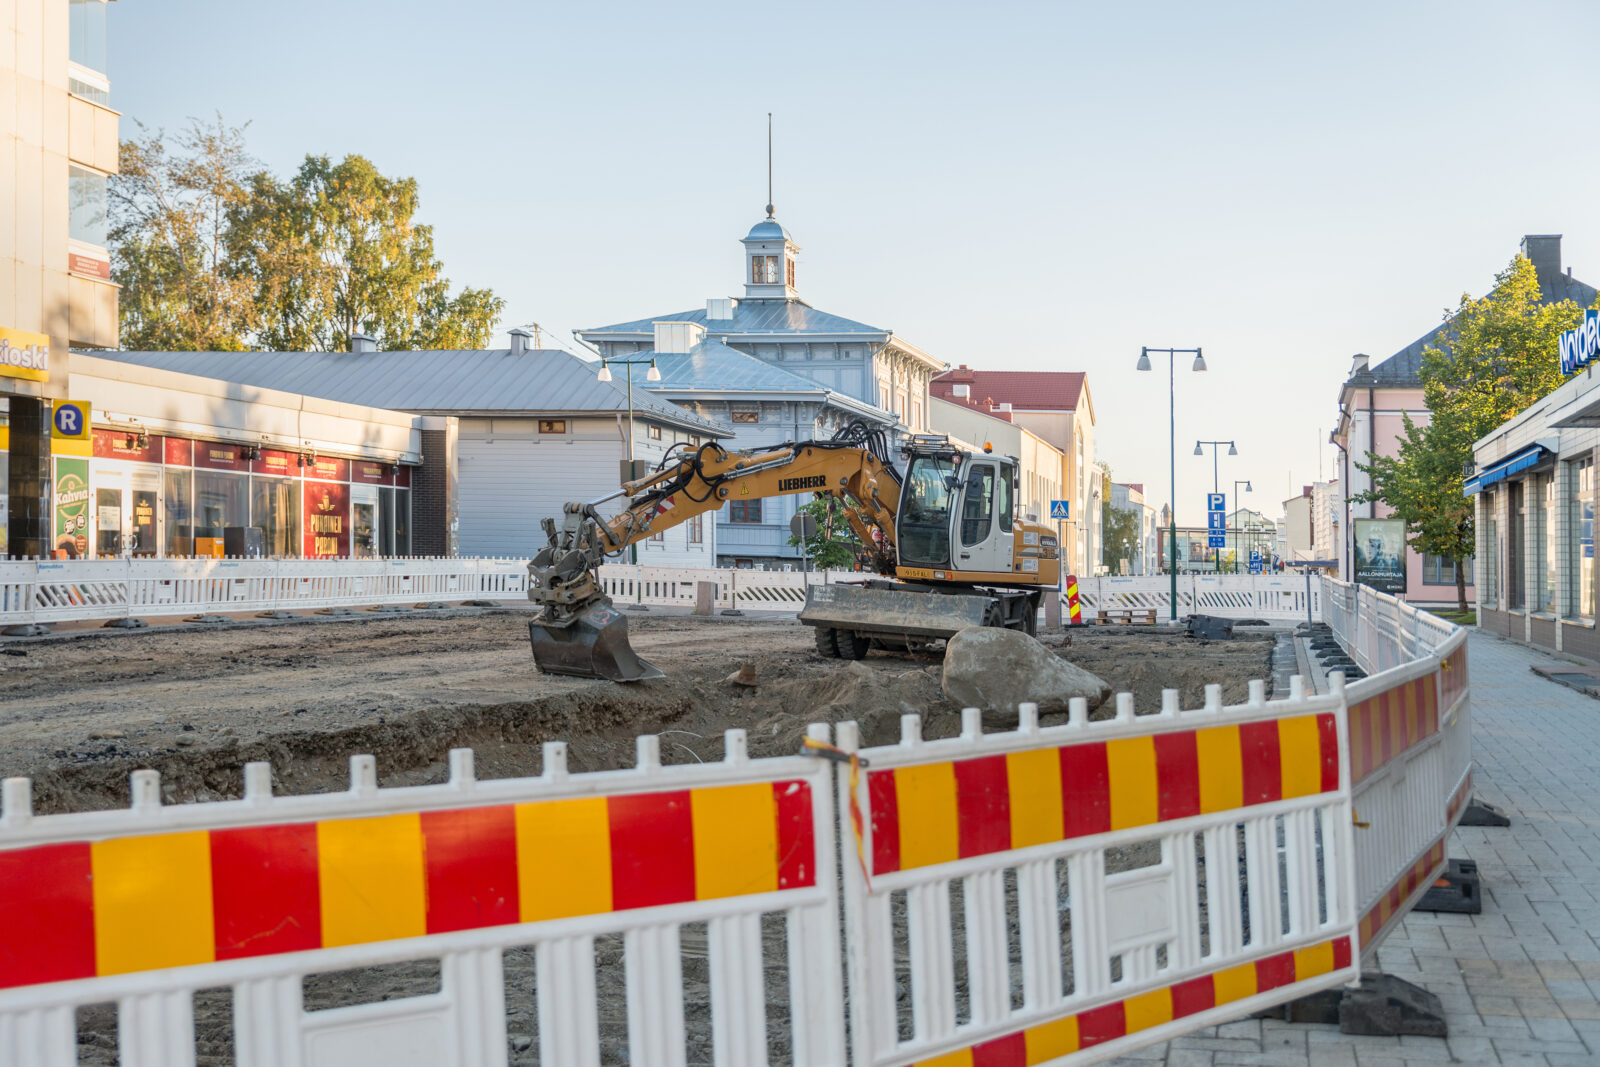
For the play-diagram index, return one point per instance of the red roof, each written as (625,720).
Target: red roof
(1025,390)
(1137,487)
(977,405)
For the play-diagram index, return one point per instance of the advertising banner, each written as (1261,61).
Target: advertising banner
(327,514)
(1381,554)
(72,507)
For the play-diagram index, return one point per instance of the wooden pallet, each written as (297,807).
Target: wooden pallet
(1126,617)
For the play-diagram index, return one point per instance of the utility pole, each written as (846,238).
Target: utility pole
(1172,442)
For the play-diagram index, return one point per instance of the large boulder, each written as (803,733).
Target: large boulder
(994,669)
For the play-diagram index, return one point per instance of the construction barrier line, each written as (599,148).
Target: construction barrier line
(152,901)
(934,813)
(1122,1018)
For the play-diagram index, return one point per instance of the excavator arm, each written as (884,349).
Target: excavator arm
(579,633)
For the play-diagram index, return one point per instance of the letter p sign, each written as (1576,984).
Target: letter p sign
(69,421)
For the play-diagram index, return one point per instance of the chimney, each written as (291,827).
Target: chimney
(1544,250)
(1359,363)
(360,342)
(961,392)
(678,337)
(519,341)
(1006,407)
(719,309)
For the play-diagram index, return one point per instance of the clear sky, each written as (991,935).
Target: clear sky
(1042,186)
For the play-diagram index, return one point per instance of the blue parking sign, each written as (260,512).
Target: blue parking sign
(1217,540)
(1216,501)
(1215,521)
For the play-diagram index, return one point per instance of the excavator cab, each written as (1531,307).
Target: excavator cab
(956,511)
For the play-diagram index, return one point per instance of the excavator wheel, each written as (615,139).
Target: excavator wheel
(826,645)
(851,644)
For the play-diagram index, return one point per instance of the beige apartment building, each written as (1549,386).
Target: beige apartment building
(58,145)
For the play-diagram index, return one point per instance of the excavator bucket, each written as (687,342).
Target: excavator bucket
(866,610)
(591,645)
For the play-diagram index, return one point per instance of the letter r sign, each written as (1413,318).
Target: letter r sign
(69,420)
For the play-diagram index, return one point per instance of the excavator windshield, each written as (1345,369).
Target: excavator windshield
(924,521)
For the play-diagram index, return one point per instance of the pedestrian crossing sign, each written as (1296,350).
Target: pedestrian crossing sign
(1059,509)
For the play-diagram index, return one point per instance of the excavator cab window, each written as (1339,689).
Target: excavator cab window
(924,521)
(977,505)
(1005,497)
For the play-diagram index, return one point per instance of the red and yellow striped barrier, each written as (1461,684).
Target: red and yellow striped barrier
(1074,609)
(1387,909)
(939,812)
(1387,724)
(1047,1041)
(1453,678)
(86,909)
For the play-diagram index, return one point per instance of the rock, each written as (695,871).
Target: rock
(745,675)
(995,669)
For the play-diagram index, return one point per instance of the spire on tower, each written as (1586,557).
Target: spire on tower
(769,164)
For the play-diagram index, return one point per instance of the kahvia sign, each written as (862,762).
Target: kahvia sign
(1580,346)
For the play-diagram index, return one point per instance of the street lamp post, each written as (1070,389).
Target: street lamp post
(1172,439)
(651,375)
(1232,451)
(1238,496)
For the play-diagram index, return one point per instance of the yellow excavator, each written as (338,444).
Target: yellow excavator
(944,538)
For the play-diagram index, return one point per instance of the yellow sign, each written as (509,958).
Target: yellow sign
(24,355)
(69,428)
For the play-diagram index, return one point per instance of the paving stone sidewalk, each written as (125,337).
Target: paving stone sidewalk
(1520,983)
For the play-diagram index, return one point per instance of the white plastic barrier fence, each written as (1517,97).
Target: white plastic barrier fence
(752,590)
(1080,890)
(1241,596)
(61,590)
(1411,747)
(146,906)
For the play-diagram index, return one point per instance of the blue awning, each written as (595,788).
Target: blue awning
(1531,456)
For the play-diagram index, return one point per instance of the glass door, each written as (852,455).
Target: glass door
(364,520)
(108,513)
(141,527)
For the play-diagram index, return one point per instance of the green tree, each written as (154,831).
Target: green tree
(335,251)
(1119,527)
(168,208)
(834,546)
(1496,355)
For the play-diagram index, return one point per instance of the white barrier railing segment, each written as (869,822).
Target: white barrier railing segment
(47,591)
(1231,596)
(1119,882)
(148,905)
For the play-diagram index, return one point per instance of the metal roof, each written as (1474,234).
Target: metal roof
(753,317)
(766,229)
(443,382)
(1024,390)
(712,367)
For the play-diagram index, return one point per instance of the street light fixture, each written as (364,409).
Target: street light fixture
(1172,446)
(652,375)
(1232,451)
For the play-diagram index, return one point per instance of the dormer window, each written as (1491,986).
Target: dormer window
(764,270)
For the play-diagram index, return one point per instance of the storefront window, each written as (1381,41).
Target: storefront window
(1552,541)
(1581,536)
(364,520)
(220,506)
(144,522)
(179,490)
(275,511)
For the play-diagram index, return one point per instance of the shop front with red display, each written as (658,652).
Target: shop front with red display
(172,496)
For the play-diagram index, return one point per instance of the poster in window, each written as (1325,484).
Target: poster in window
(327,527)
(71,507)
(1381,554)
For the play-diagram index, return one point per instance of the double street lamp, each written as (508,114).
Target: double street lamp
(1172,439)
(1239,503)
(1232,451)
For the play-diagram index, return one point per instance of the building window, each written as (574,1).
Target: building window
(87,30)
(694,439)
(1439,570)
(655,433)
(747,416)
(744,511)
(916,415)
(1489,546)
(89,86)
(1551,528)
(86,199)
(1581,536)
(790,261)
(697,530)
(764,270)
(659,536)
(552,425)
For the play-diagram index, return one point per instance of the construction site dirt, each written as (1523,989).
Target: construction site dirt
(77,716)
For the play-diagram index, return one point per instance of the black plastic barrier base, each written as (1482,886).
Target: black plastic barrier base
(1482,813)
(1456,890)
(1383,1006)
